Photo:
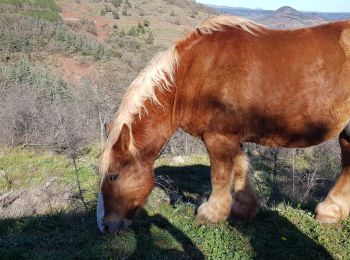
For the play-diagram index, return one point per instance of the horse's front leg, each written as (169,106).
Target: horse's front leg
(227,170)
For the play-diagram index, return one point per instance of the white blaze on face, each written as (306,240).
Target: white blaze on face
(100,212)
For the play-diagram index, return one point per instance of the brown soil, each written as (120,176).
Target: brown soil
(75,72)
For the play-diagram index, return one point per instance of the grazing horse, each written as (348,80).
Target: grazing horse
(231,81)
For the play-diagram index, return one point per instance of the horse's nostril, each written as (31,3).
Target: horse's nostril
(106,228)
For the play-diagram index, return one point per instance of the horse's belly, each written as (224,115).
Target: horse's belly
(304,135)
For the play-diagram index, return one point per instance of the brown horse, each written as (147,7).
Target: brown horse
(228,82)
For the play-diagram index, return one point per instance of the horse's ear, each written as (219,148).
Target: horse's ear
(124,140)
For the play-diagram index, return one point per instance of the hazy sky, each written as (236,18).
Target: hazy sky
(303,5)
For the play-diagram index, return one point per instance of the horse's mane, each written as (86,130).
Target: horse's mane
(222,22)
(159,74)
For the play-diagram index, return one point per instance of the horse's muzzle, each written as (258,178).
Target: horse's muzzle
(113,227)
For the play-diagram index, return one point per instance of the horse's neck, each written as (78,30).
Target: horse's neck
(153,129)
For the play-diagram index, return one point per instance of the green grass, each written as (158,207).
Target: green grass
(162,230)
(26,168)
(41,9)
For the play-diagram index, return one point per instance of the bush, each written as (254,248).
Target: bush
(88,26)
(115,15)
(132,31)
(146,23)
(150,38)
(122,33)
(116,3)
(108,9)
(38,108)
(127,3)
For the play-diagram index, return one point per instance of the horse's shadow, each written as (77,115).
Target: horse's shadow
(145,241)
(271,235)
(71,236)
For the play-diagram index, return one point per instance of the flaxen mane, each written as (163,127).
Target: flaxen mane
(159,73)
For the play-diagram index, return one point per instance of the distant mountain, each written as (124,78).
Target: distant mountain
(284,17)
(336,16)
(287,17)
(245,12)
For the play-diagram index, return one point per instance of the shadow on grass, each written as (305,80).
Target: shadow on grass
(271,235)
(191,182)
(66,236)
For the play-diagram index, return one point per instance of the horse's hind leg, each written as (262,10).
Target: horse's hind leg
(228,168)
(337,204)
(245,200)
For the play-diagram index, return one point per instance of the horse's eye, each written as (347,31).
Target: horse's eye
(113,177)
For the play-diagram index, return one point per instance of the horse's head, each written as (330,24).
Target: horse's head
(125,184)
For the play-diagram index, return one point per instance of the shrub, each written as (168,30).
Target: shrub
(38,108)
(108,9)
(150,38)
(116,3)
(127,3)
(115,15)
(89,26)
(146,23)
(132,31)
(122,33)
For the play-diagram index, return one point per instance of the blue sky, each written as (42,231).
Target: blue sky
(303,5)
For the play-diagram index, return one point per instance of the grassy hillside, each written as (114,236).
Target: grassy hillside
(166,228)
(94,49)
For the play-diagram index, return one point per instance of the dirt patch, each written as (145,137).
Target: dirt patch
(76,72)
(102,26)
(102,23)
(37,201)
(68,16)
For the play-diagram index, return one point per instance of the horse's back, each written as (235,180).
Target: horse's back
(274,87)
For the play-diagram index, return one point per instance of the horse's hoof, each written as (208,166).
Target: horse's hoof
(328,213)
(324,219)
(206,213)
(243,212)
